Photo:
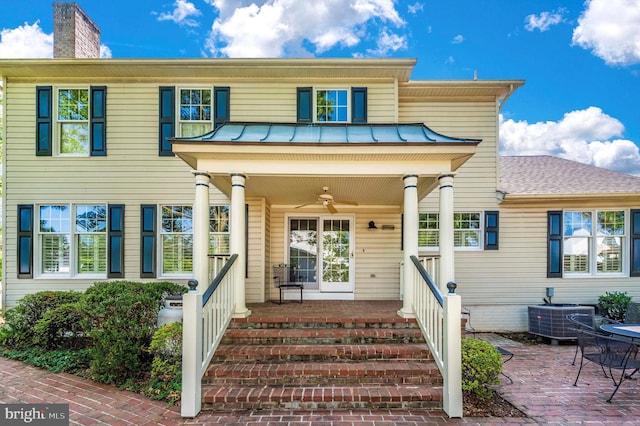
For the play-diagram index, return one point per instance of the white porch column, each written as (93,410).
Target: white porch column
(447,264)
(201,231)
(410,239)
(238,242)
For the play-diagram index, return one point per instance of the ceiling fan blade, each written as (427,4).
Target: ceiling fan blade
(351,203)
(305,204)
(331,209)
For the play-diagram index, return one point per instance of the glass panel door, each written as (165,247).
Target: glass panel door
(303,250)
(337,267)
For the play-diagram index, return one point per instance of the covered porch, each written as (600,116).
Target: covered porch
(336,175)
(329,178)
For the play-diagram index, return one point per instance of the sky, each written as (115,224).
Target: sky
(580,59)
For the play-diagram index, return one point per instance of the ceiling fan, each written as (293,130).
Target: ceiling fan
(327,200)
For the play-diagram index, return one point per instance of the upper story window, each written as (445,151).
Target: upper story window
(468,231)
(594,242)
(195,112)
(331,105)
(200,110)
(71,121)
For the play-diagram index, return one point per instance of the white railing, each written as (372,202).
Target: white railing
(205,320)
(216,263)
(439,318)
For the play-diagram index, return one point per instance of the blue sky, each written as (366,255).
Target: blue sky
(580,60)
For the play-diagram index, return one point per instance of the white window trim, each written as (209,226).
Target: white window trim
(73,250)
(315,103)
(481,229)
(179,121)
(55,131)
(159,251)
(593,265)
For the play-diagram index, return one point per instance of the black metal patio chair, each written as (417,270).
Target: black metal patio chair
(632,314)
(608,352)
(580,322)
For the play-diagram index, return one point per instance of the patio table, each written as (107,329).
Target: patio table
(626,330)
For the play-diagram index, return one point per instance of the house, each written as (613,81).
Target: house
(345,170)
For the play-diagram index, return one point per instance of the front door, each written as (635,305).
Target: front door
(321,251)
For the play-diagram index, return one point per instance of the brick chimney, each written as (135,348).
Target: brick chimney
(75,35)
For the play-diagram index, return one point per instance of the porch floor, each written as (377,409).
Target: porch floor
(333,309)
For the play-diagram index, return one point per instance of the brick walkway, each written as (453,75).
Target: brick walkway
(542,388)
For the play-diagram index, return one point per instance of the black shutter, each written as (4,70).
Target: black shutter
(115,240)
(635,243)
(25,241)
(304,104)
(491,230)
(554,244)
(44,117)
(148,241)
(222,103)
(167,120)
(358,104)
(98,121)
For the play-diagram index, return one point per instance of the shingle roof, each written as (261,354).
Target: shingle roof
(546,174)
(325,133)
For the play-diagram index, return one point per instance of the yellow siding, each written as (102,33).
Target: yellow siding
(497,286)
(475,181)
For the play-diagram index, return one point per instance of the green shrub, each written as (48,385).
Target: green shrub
(613,305)
(481,367)
(20,321)
(58,361)
(166,367)
(61,328)
(121,318)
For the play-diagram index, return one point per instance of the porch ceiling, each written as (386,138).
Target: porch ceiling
(298,190)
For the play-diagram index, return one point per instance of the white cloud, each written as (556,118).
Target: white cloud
(544,21)
(388,42)
(611,30)
(415,8)
(26,41)
(105,51)
(457,39)
(182,14)
(589,136)
(276,28)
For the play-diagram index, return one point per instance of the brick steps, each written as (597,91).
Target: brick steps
(312,398)
(323,374)
(286,352)
(322,336)
(297,322)
(308,363)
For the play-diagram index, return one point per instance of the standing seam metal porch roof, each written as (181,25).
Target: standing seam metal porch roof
(325,133)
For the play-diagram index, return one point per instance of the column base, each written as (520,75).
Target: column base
(242,314)
(406,314)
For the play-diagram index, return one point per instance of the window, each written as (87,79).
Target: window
(80,121)
(72,240)
(195,112)
(200,110)
(176,241)
(73,121)
(331,105)
(467,231)
(219,230)
(594,242)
